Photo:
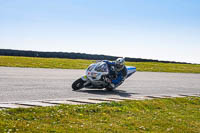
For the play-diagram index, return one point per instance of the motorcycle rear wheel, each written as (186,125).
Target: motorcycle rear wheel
(108,88)
(78,84)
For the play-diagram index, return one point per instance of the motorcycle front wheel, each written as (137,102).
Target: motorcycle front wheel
(78,84)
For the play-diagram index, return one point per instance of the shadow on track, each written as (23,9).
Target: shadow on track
(121,93)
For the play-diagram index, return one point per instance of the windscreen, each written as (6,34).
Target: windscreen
(101,67)
(91,67)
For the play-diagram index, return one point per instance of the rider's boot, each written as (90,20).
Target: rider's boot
(112,85)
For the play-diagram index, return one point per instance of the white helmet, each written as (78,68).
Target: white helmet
(120,64)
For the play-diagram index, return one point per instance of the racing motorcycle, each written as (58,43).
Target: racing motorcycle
(96,77)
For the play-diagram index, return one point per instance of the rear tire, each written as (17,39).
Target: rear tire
(78,84)
(108,88)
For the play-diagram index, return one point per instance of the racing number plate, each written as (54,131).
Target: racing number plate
(94,75)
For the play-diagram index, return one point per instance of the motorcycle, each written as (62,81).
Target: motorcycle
(96,77)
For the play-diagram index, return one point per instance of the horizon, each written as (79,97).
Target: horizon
(159,30)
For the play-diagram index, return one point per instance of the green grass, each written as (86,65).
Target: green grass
(14,61)
(158,115)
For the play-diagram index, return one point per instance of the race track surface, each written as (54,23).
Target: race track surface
(25,84)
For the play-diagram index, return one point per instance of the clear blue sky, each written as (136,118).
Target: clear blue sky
(154,29)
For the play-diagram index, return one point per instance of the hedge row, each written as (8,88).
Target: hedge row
(10,52)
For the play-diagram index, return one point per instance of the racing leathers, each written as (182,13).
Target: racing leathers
(116,77)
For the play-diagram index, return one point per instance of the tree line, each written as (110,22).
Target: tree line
(72,55)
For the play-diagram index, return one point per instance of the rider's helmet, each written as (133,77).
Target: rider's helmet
(120,64)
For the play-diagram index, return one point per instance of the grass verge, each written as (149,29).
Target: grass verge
(14,61)
(157,115)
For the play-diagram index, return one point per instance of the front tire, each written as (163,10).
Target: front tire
(78,84)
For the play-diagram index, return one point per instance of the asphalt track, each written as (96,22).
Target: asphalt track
(25,84)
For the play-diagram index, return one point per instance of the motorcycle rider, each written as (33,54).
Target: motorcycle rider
(117,72)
